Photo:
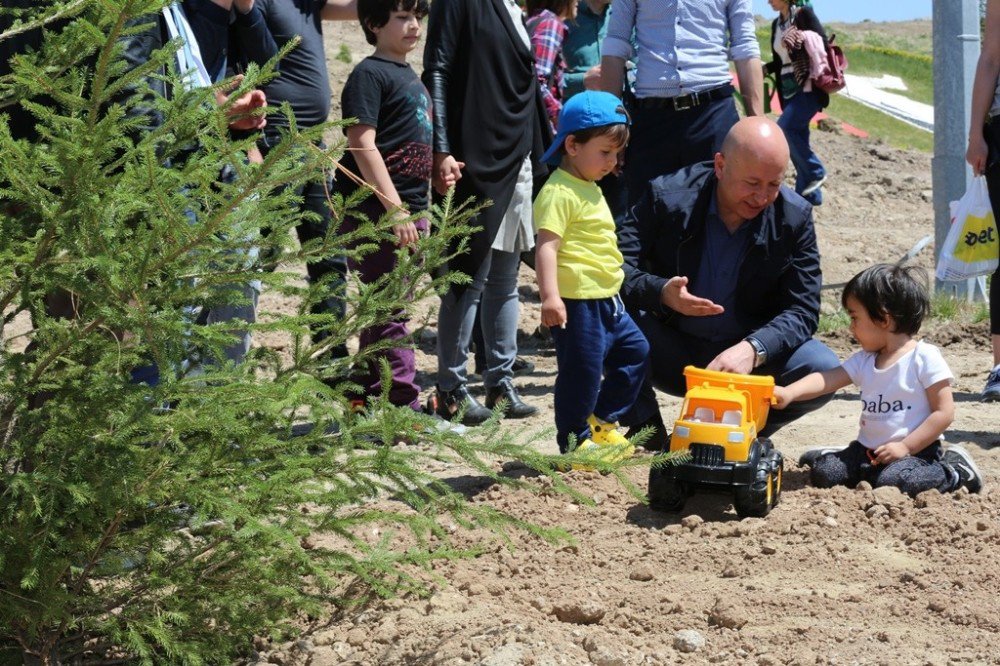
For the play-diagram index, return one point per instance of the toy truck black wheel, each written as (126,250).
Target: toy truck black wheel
(665,494)
(759,497)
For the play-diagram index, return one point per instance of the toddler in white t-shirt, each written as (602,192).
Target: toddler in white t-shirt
(906,399)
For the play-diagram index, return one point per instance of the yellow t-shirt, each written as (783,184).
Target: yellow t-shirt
(588,264)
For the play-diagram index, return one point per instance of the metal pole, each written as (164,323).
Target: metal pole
(956,51)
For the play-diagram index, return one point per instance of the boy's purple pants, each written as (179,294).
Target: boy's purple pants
(402,360)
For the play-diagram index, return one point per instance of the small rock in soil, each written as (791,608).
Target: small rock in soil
(688,640)
(579,612)
(642,573)
(728,615)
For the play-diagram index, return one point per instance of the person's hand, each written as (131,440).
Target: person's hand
(676,297)
(244,6)
(739,359)
(554,312)
(976,154)
(592,78)
(782,397)
(447,172)
(890,452)
(406,231)
(244,113)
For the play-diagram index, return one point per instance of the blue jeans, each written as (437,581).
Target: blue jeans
(664,141)
(796,113)
(602,361)
(671,350)
(495,283)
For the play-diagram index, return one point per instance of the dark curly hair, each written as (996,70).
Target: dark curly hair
(891,290)
(375,13)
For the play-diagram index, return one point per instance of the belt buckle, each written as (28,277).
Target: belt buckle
(685,102)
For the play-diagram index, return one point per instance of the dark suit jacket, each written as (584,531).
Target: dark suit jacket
(488,110)
(779,280)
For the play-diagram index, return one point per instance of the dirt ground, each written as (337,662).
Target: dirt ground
(829,577)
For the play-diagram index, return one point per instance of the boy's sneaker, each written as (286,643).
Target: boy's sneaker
(809,458)
(992,391)
(603,433)
(813,186)
(958,459)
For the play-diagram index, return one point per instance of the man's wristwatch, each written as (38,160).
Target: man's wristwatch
(759,351)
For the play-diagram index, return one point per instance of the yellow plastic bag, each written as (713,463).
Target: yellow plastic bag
(972,247)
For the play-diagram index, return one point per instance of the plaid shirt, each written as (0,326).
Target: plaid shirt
(547,34)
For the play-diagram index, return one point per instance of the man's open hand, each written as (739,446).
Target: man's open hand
(676,297)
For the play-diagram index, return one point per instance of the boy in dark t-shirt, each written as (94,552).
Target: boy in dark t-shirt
(390,149)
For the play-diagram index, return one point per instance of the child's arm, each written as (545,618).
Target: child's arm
(553,308)
(942,414)
(361,143)
(811,386)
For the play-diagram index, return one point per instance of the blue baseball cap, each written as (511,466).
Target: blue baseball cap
(585,110)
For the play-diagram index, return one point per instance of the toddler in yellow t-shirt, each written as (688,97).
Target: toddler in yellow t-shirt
(600,351)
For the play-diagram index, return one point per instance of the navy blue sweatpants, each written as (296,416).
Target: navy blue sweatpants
(600,339)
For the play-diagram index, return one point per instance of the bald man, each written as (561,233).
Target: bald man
(722,272)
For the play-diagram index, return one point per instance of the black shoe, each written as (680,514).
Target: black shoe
(959,460)
(448,404)
(809,458)
(514,408)
(520,367)
(659,440)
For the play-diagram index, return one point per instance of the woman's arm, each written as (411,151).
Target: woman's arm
(546,42)
(984,87)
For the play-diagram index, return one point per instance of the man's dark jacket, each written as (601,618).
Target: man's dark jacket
(777,291)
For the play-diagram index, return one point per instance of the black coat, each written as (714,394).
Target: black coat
(777,292)
(804,19)
(488,109)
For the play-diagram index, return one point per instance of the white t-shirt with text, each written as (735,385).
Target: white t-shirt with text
(894,399)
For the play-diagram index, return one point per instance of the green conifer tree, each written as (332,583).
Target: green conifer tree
(165,524)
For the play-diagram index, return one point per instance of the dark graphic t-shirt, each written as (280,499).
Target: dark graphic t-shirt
(390,97)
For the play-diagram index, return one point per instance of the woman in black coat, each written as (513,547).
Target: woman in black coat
(799,101)
(488,115)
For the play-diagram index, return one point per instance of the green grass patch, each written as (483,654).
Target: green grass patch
(894,132)
(344,54)
(916,71)
(918,41)
(828,323)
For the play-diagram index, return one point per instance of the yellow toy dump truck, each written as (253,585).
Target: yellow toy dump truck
(718,426)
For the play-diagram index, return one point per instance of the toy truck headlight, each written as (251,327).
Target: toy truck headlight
(682,431)
(735,437)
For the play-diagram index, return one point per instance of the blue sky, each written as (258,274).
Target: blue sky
(859,10)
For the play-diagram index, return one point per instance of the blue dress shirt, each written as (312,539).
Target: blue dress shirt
(683,46)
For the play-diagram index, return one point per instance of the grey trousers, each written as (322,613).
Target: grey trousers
(495,284)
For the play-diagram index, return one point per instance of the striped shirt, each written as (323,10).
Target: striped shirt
(683,45)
